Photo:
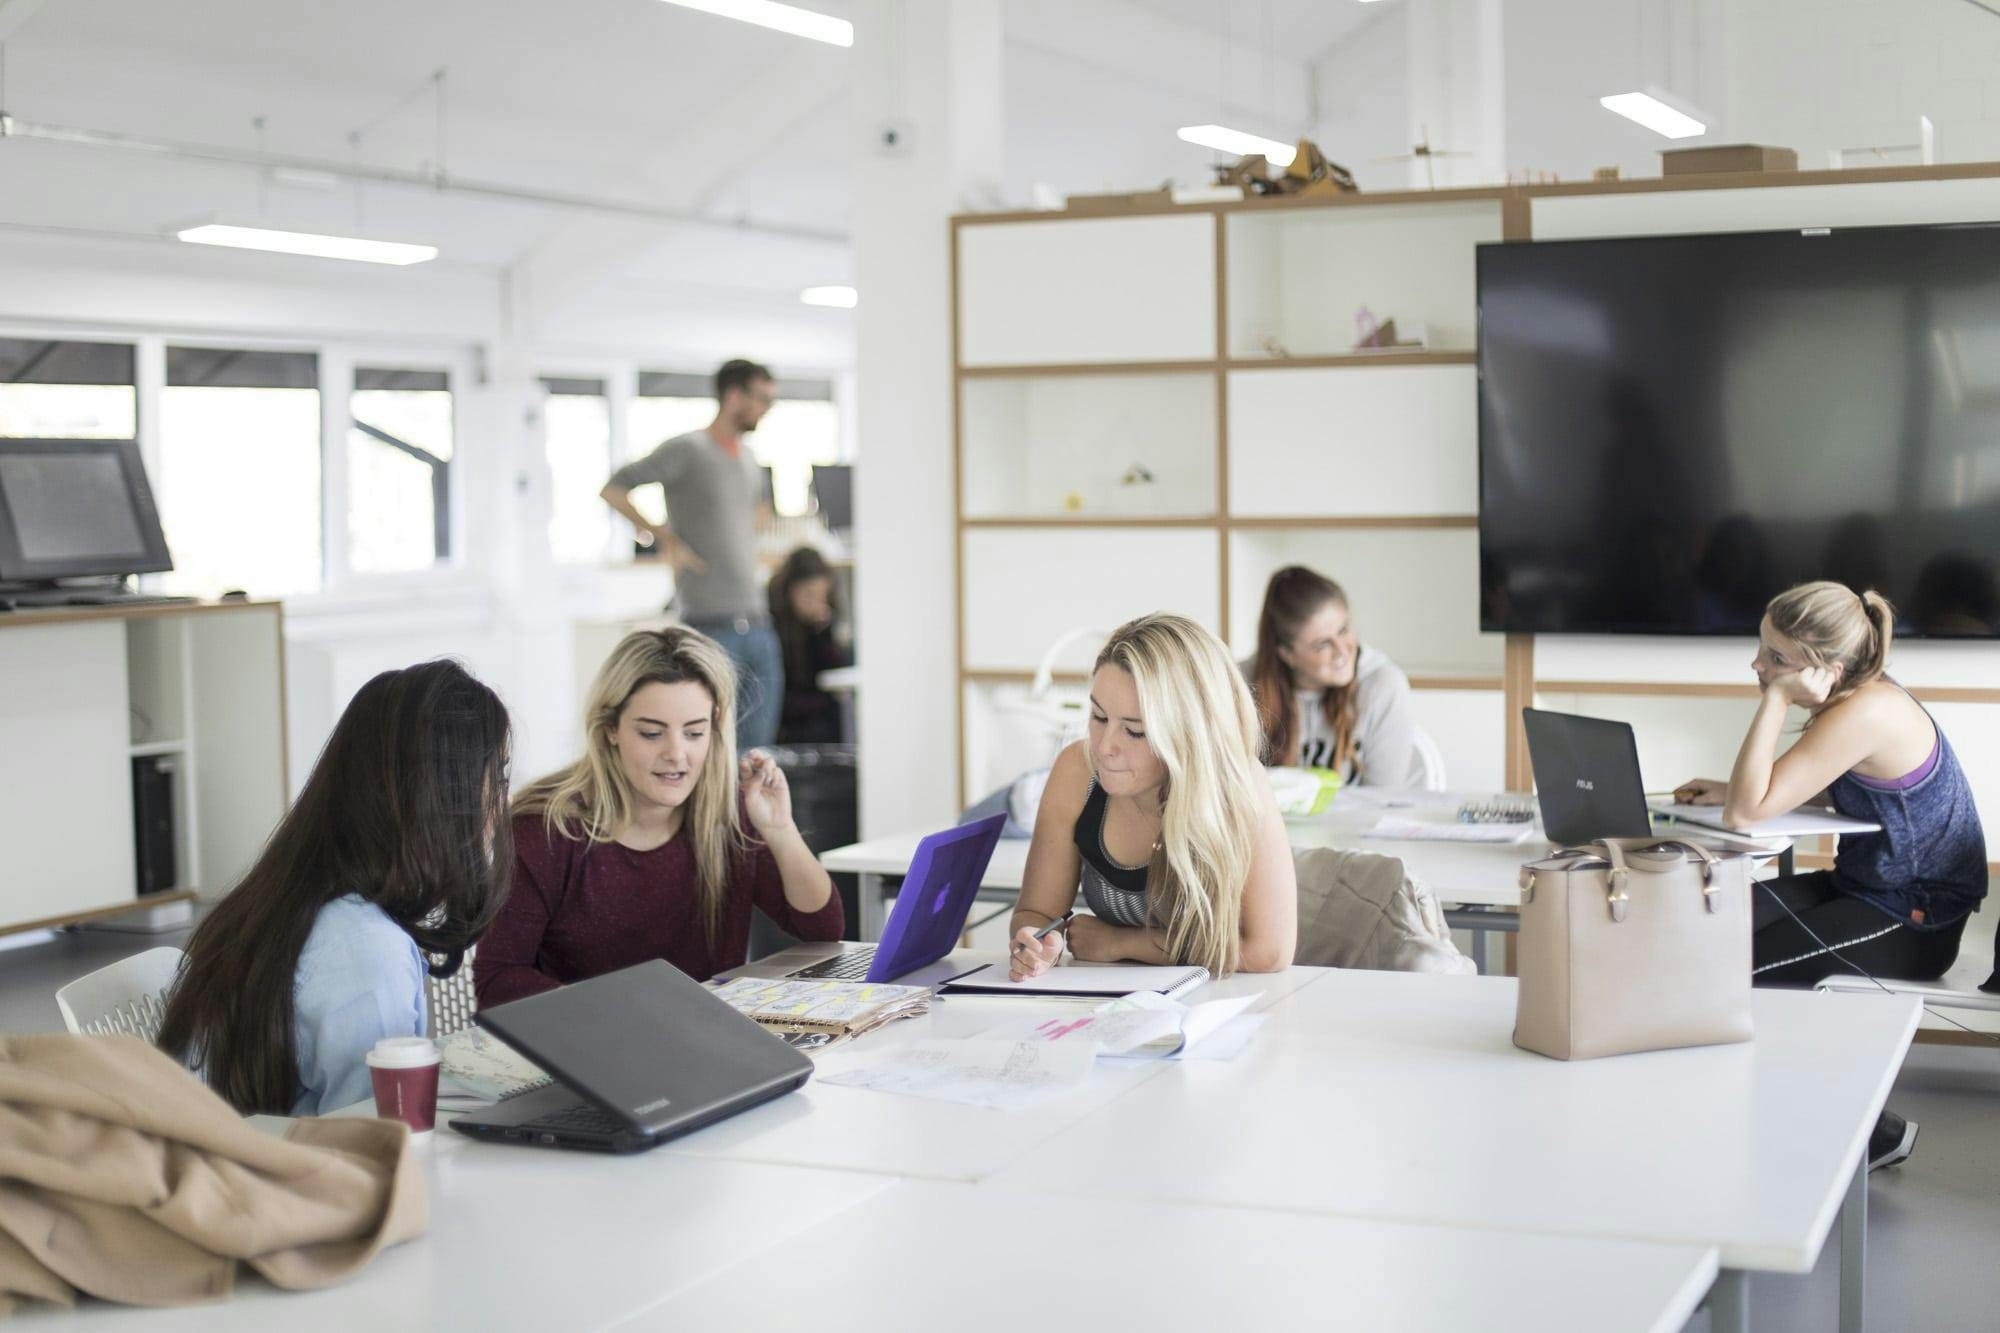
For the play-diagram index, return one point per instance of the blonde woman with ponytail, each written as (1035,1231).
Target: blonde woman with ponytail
(639,849)
(1162,818)
(1896,902)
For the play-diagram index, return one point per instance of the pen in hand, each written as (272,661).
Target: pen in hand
(1043,933)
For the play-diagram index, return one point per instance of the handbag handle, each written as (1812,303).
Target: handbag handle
(1617,900)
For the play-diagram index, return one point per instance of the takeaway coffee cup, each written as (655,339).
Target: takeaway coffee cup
(405,1072)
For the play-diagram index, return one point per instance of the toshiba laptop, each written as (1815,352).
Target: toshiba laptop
(1586,777)
(639,1056)
(930,910)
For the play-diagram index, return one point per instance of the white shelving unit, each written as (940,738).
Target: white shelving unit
(92,689)
(1214,344)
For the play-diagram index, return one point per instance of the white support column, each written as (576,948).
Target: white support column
(931,71)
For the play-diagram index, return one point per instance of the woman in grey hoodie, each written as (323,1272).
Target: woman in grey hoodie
(1324,699)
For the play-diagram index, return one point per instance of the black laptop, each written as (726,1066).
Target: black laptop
(640,1056)
(1586,777)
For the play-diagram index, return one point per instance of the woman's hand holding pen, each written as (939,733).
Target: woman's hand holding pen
(1036,951)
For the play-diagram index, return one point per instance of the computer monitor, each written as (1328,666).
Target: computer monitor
(833,487)
(76,509)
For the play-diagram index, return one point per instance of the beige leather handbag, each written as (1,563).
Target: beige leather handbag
(1633,944)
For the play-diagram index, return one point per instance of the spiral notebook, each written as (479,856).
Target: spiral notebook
(1087,980)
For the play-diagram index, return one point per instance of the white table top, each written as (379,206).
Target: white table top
(1480,874)
(927,1255)
(525,1238)
(1381,1140)
(1394,1095)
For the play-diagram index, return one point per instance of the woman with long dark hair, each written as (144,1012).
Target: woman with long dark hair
(391,864)
(802,612)
(1324,699)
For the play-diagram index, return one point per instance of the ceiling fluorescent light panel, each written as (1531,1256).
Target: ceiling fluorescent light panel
(1649,110)
(839,298)
(1224,139)
(319,245)
(779,18)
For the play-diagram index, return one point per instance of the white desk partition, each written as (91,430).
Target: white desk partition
(898,1260)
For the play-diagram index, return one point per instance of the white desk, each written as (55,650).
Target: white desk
(1323,1164)
(1352,1103)
(1482,877)
(530,1239)
(900,1260)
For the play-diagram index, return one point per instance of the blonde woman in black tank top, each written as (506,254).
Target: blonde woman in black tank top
(1162,819)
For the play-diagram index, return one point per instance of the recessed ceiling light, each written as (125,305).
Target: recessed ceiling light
(1648,110)
(319,245)
(782,18)
(840,298)
(1236,141)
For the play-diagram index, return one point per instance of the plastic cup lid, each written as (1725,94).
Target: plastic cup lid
(403,1053)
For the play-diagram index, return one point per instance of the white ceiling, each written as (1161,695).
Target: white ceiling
(626,99)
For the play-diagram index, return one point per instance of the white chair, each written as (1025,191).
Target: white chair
(452,1000)
(1430,761)
(128,996)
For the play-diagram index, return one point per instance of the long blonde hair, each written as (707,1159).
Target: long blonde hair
(591,799)
(1835,626)
(1201,723)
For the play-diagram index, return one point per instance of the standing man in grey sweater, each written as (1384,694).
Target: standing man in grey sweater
(715,494)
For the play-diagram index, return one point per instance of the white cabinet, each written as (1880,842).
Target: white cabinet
(1354,441)
(85,693)
(1101,289)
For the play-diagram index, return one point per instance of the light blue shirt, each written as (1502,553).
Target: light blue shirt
(360,979)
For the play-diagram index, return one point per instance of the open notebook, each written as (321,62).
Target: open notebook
(1081,979)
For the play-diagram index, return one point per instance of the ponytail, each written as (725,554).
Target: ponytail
(1873,655)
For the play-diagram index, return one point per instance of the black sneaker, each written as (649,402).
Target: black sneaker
(1892,1142)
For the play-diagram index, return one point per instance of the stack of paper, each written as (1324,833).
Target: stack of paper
(999,1075)
(1420,830)
(838,1008)
(1149,1026)
(478,1062)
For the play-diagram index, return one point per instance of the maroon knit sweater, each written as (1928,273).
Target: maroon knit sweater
(580,910)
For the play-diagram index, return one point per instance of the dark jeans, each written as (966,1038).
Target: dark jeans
(1852,936)
(752,646)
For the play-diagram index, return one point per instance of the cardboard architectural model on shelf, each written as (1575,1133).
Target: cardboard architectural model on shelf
(1309,174)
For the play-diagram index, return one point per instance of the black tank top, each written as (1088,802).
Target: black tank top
(1114,892)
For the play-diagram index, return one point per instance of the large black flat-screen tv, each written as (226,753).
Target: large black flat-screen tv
(1672,429)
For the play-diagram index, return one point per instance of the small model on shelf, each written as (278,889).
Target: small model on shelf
(1373,335)
(1309,174)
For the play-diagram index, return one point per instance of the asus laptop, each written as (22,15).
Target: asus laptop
(1586,777)
(639,1056)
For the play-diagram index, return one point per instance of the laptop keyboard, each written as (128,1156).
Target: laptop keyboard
(850,966)
(584,1117)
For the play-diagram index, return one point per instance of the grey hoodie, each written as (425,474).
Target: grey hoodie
(1385,730)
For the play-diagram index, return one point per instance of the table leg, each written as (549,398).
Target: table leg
(1729,1302)
(1854,1250)
(874,906)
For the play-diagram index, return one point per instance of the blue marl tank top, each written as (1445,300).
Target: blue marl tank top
(1931,853)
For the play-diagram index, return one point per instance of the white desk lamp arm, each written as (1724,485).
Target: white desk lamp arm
(1045,674)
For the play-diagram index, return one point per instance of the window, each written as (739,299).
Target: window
(52,390)
(801,429)
(399,447)
(577,426)
(239,475)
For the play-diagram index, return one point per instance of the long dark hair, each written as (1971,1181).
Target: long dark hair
(407,807)
(1295,595)
(794,635)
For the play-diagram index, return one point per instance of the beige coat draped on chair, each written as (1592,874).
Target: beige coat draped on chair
(1358,909)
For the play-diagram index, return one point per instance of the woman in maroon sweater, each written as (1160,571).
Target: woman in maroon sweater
(638,850)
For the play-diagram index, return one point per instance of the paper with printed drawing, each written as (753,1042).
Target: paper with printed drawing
(976,1071)
(1143,1026)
